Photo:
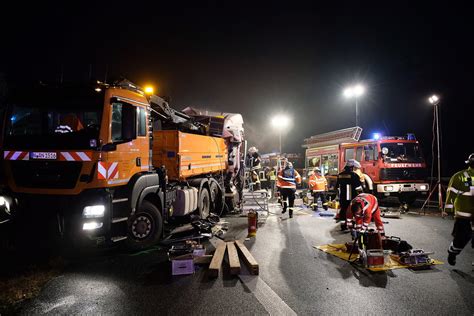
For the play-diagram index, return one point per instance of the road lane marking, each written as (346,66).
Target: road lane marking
(272,303)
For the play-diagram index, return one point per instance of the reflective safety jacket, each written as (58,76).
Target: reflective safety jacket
(370,210)
(317,183)
(460,198)
(287,178)
(272,175)
(348,183)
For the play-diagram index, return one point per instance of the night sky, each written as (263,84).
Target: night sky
(260,60)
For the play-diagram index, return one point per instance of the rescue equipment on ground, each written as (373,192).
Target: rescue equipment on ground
(252,223)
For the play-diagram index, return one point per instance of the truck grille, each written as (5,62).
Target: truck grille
(403,174)
(46,174)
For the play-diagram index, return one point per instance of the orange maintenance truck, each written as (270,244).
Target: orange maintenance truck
(113,163)
(392,166)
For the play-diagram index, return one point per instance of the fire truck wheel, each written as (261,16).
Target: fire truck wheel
(407,198)
(144,227)
(204,203)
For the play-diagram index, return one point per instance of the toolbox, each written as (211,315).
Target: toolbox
(375,258)
(415,256)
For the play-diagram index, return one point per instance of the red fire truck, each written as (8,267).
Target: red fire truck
(393,165)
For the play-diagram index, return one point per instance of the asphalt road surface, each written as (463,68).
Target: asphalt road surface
(294,277)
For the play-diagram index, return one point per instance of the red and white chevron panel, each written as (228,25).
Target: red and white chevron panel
(107,170)
(16,155)
(75,156)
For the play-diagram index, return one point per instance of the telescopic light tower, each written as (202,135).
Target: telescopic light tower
(434,99)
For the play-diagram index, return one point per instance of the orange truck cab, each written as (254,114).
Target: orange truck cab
(392,166)
(109,162)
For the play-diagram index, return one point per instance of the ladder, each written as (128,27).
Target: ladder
(255,200)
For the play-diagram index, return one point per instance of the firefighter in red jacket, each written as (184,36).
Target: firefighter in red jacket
(318,185)
(287,179)
(364,207)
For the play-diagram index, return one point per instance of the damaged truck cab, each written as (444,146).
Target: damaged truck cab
(109,162)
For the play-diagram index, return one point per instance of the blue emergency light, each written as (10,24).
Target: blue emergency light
(411,136)
(376,136)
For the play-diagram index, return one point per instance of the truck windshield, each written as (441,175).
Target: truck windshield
(61,119)
(401,152)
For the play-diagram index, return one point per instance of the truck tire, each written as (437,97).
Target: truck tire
(204,203)
(145,227)
(216,198)
(407,198)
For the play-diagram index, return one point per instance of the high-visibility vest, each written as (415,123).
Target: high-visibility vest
(370,209)
(460,197)
(317,183)
(287,178)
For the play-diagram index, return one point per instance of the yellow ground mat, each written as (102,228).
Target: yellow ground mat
(338,250)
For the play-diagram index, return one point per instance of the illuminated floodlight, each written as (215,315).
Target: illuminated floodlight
(149,90)
(434,99)
(280,121)
(354,91)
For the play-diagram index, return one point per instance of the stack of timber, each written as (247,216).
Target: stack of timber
(235,251)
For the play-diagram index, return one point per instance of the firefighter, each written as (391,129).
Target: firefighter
(318,185)
(254,162)
(460,199)
(349,185)
(272,178)
(287,179)
(362,210)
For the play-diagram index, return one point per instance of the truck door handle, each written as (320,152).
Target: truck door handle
(138,162)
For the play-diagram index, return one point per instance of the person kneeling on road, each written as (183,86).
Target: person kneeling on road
(287,179)
(363,208)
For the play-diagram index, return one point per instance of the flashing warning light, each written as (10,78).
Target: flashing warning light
(149,90)
(411,136)
(376,136)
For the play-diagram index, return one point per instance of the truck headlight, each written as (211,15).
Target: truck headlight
(389,188)
(91,225)
(423,187)
(93,211)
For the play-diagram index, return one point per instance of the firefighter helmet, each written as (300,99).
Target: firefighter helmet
(353,163)
(470,159)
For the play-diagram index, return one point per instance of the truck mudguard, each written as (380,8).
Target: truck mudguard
(149,182)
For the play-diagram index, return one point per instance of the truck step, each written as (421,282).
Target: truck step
(119,219)
(118,238)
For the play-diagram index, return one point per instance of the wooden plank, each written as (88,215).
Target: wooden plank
(216,261)
(247,257)
(206,259)
(234,261)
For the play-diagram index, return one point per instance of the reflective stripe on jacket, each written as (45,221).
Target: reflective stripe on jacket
(460,194)
(317,183)
(370,209)
(287,178)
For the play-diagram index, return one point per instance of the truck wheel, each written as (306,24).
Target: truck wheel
(407,198)
(204,203)
(216,198)
(145,226)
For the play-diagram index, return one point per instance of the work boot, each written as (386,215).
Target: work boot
(343,227)
(284,208)
(452,258)
(291,212)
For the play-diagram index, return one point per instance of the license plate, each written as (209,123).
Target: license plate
(43,155)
